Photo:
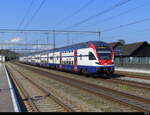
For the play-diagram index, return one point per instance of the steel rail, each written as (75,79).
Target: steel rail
(131,83)
(26,97)
(136,102)
(139,77)
(128,74)
(48,94)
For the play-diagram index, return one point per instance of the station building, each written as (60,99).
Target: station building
(135,55)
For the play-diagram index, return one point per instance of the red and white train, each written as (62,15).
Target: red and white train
(93,57)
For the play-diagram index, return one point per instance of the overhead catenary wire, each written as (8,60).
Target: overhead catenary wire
(75,13)
(120,14)
(26,14)
(127,33)
(35,13)
(122,2)
(125,25)
(43,31)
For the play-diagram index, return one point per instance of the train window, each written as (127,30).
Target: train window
(80,57)
(91,56)
(51,58)
(104,56)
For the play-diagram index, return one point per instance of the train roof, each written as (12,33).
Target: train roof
(74,47)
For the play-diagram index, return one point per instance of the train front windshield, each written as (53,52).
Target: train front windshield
(104,53)
(104,56)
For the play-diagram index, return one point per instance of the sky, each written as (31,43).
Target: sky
(130,21)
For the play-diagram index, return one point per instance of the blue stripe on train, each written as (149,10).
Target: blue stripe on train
(91,69)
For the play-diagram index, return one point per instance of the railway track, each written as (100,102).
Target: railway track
(136,102)
(129,83)
(133,75)
(24,94)
(56,104)
(139,77)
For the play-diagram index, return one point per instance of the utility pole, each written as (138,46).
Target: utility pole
(54,39)
(99,35)
(26,40)
(47,40)
(2,36)
(37,45)
(53,44)
(68,40)
(72,41)
(47,47)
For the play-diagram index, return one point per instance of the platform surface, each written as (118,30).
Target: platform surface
(132,70)
(6,103)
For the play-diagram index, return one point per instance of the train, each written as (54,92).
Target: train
(90,58)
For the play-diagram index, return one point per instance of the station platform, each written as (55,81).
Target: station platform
(8,102)
(132,70)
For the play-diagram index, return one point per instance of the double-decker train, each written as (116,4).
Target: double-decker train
(93,57)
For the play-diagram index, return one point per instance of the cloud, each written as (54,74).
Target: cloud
(15,40)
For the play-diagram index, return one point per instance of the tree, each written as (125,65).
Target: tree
(122,42)
(9,55)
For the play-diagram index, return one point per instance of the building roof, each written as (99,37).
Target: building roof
(130,49)
(113,44)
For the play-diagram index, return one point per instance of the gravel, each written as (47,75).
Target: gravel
(133,70)
(135,80)
(87,101)
(97,81)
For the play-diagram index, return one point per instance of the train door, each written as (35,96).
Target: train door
(60,66)
(47,58)
(75,61)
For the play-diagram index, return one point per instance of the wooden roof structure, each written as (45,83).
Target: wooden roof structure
(139,49)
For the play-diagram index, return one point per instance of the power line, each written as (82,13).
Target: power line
(43,31)
(76,12)
(27,12)
(35,13)
(100,13)
(122,13)
(127,33)
(129,24)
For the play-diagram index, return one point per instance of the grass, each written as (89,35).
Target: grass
(124,87)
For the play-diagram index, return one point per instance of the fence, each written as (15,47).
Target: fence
(142,63)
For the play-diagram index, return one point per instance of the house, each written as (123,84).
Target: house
(134,55)
(139,49)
